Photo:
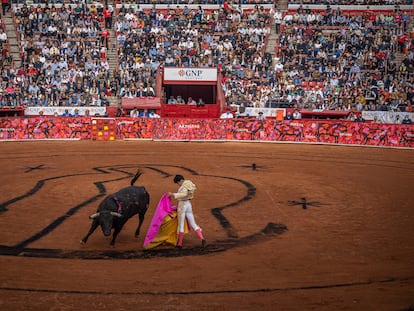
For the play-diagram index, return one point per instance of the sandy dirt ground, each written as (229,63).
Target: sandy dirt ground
(289,227)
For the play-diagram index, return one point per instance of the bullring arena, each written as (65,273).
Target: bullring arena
(288,226)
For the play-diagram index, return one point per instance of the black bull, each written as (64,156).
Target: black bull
(115,210)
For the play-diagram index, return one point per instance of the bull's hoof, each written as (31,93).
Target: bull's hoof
(136,235)
(82,242)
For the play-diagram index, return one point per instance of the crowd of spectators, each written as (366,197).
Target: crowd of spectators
(342,61)
(333,60)
(326,59)
(63,58)
(185,37)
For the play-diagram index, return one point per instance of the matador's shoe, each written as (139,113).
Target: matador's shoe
(180,240)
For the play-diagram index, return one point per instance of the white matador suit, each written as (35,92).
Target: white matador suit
(185,211)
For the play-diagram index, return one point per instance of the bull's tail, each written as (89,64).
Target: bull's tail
(134,179)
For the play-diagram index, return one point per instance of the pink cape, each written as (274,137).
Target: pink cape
(164,207)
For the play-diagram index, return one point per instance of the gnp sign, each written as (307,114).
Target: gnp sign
(190,74)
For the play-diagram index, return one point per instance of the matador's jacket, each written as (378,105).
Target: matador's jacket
(185,192)
(184,195)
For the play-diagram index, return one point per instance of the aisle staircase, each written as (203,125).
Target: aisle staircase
(273,37)
(112,56)
(398,56)
(12,39)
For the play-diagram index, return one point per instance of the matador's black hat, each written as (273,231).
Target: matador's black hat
(177,178)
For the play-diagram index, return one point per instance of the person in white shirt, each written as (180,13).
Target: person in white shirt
(134,113)
(278,65)
(297,114)
(179,100)
(227,45)
(129,16)
(277,17)
(311,19)
(139,64)
(226,115)
(171,100)
(3,35)
(152,114)
(288,19)
(191,101)
(182,44)
(261,116)
(189,43)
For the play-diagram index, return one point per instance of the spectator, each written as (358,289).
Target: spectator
(143,113)
(296,114)
(134,113)
(171,100)
(277,17)
(141,92)
(153,114)
(66,113)
(377,120)
(200,102)
(103,99)
(149,90)
(108,17)
(288,116)
(406,120)
(119,110)
(105,38)
(6,6)
(226,115)
(180,100)
(3,36)
(359,118)
(191,101)
(261,116)
(397,119)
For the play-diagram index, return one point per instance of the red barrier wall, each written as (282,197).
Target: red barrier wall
(306,131)
(45,128)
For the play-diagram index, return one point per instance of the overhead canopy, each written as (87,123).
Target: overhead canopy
(141,103)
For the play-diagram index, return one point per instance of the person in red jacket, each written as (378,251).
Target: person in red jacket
(105,38)
(108,17)
(401,43)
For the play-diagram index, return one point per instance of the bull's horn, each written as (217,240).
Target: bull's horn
(116,214)
(137,174)
(93,216)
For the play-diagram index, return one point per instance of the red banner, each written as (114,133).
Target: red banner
(45,128)
(307,131)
